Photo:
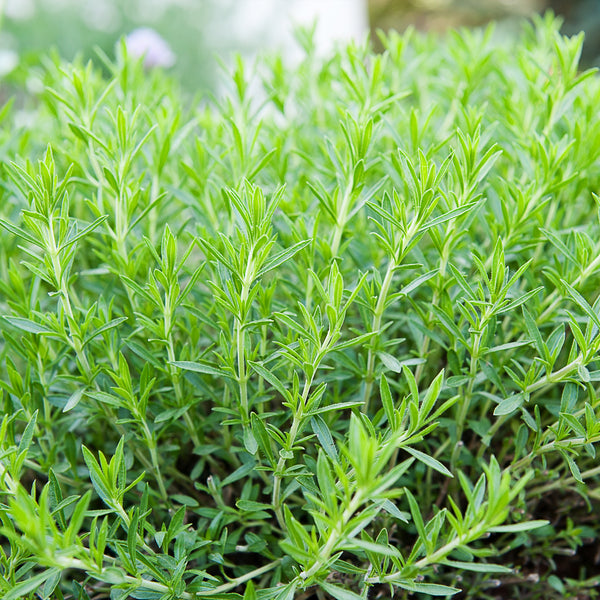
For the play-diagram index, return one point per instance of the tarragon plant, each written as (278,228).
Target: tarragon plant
(335,334)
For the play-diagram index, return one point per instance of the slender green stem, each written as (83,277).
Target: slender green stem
(342,218)
(467,396)
(75,335)
(466,401)
(242,376)
(445,257)
(375,327)
(297,420)
(556,376)
(175,376)
(153,214)
(240,336)
(562,482)
(63,290)
(547,381)
(550,446)
(433,558)
(335,536)
(380,306)
(225,587)
(80,565)
(151,443)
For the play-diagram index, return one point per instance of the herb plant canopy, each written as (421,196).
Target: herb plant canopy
(335,335)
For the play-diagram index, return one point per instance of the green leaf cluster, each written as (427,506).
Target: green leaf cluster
(334,332)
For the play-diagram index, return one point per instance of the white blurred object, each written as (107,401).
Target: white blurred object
(101,15)
(337,20)
(18,9)
(268,24)
(8,61)
(147,43)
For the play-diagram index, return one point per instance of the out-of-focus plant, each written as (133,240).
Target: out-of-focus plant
(79,28)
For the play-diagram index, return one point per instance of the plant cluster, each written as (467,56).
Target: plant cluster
(335,334)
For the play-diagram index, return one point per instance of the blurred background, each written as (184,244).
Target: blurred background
(197,31)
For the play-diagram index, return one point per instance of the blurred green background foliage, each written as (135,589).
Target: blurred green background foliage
(198,31)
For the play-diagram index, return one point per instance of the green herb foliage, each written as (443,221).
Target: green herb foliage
(336,332)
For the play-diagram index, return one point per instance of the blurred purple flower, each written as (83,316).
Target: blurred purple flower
(148,43)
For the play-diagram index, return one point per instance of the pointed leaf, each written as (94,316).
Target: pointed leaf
(433,589)
(30,585)
(526,526)
(200,368)
(339,593)
(324,436)
(429,461)
(282,257)
(28,325)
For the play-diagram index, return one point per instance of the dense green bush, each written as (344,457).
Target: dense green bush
(335,334)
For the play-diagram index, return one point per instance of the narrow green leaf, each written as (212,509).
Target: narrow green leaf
(324,436)
(270,378)
(526,526)
(574,424)
(429,461)
(110,325)
(287,592)
(99,480)
(252,506)
(21,233)
(416,515)
(50,585)
(381,549)
(83,232)
(560,245)
(74,399)
(451,214)
(477,567)
(508,346)
(462,282)
(572,465)
(56,498)
(27,435)
(339,593)
(250,442)
(415,283)
(28,325)
(433,589)
(77,517)
(282,257)
(510,404)
(262,437)
(249,593)
(30,585)
(200,368)
(391,362)
(412,383)
(354,341)
(132,536)
(431,395)
(387,402)
(176,524)
(520,300)
(143,353)
(534,334)
(394,511)
(582,302)
(239,473)
(83,133)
